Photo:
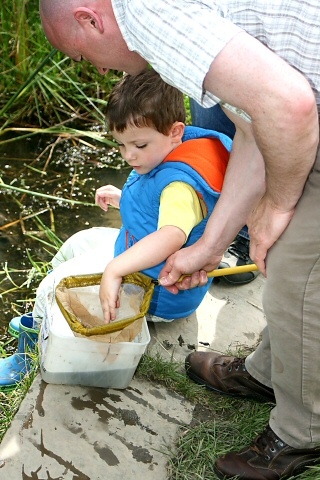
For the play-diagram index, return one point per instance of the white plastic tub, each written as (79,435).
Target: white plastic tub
(66,359)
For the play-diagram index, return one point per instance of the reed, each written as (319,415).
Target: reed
(40,86)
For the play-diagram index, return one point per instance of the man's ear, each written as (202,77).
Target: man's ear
(87,16)
(177,131)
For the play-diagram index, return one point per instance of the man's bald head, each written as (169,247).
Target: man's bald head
(87,29)
(57,17)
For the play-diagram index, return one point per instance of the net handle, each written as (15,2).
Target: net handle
(221,272)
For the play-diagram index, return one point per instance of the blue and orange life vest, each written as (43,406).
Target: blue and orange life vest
(201,162)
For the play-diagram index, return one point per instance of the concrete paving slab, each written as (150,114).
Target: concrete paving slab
(73,432)
(228,317)
(86,433)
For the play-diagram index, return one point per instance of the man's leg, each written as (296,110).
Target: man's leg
(287,359)
(291,441)
(292,306)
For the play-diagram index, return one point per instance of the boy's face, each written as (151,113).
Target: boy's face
(144,148)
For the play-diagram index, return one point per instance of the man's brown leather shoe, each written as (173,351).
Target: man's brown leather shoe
(267,458)
(226,375)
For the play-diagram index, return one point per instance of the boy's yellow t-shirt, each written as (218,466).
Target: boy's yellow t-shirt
(181,207)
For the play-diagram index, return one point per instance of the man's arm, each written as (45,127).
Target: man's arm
(281,104)
(243,186)
(285,130)
(284,125)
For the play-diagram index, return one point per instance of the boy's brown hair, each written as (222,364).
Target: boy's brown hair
(144,100)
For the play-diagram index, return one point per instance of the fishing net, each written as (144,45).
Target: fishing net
(78,299)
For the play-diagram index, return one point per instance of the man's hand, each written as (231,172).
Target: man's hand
(194,261)
(109,293)
(266,224)
(108,195)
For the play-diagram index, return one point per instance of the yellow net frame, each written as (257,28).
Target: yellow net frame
(146,283)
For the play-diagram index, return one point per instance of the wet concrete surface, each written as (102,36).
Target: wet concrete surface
(84,433)
(88,433)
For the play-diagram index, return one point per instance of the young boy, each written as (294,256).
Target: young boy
(177,175)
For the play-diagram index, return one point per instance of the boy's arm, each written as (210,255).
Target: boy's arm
(148,252)
(179,212)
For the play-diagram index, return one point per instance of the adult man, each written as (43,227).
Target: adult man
(200,47)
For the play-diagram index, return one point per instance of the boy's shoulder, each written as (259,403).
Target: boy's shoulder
(193,133)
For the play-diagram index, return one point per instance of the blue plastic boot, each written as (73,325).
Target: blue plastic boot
(14,368)
(14,325)
(13,328)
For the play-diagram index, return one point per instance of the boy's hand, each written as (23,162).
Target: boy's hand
(109,293)
(108,195)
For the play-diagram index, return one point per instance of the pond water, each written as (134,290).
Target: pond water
(61,167)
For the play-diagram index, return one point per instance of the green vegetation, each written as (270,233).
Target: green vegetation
(10,401)
(40,86)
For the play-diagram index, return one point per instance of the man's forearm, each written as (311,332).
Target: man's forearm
(288,165)
(243,186)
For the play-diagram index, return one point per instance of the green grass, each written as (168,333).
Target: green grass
(10,401)
(25,291)
(41,86)
(220,424)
